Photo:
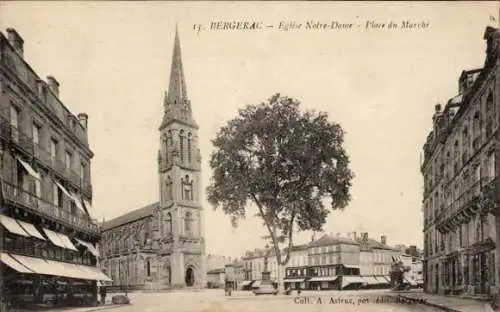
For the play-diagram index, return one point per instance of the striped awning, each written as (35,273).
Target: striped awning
(396,258)
(323,279)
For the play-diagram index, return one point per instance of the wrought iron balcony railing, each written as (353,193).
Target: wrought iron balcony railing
(45,208)
(11,134)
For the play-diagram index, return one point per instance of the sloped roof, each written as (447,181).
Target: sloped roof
(327,240)
(131,216)
(373,244)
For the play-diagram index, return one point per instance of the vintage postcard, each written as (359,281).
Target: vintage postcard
(249,156)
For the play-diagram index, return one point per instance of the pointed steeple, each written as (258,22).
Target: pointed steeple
(177,93)
(177,105)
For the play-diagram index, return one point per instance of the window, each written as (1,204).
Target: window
(169,188)
(189,147)
(168,223)
(83,170)
(53,148)
(67,159)
(187,188)
(36,134)
(181,145)
(148,267)
(14,121)
(188,222)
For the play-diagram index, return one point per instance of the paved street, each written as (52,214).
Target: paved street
(214,301)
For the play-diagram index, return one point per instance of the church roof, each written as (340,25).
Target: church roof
(131,216)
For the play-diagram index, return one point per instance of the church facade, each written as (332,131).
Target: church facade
(162,245)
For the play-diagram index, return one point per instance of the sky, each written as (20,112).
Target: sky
(112,61)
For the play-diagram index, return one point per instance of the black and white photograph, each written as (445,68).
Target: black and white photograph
(244,156)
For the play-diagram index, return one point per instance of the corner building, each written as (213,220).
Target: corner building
(48,239)
(461,185)
(162,245)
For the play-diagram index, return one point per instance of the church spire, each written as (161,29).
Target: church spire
(177,93)
(176,103)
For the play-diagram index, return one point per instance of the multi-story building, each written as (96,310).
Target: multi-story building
(162,245)
(253,262)
(461,185)
(48,239)
(376,256)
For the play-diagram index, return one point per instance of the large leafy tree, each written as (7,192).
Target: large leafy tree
(284,161)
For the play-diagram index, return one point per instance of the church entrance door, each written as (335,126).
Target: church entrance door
(189,277)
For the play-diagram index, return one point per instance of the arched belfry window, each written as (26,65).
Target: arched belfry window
(168,223)
(188,223)
(165,145)
(169,188)
(187,188)
(189,139)
(181,145)
(170,140)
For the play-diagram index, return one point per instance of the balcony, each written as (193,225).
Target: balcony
(44,208)
(25,144)
(463,207)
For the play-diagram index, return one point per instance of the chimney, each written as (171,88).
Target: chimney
(16,41)
(354,235)
(53,85)
(84,120)
(383,239)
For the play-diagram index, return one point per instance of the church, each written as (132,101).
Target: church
(162,245)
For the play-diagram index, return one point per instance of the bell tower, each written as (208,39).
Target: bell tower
(181,220)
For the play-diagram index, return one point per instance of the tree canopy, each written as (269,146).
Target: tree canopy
(286,162)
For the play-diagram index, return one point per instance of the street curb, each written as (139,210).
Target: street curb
(435,305)
(269,297)
(115,306)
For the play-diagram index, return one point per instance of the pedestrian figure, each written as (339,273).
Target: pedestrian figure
(103,294)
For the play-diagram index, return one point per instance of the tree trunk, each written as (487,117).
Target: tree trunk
(280,278)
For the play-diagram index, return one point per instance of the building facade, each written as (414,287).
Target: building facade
(460,170)
(162,245)
(48,239)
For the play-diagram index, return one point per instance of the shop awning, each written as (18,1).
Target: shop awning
(97,274)
(12,226)
(348,280)
(13,263)
(89,246)
(68,270)
(351,266)
(37,265)
(245,283)
(323,279)
(63,189)
(31,229)
(28,168)
(60,240)
(67,242)
(294,280)
(88,206)
(78,202)
(387,278)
